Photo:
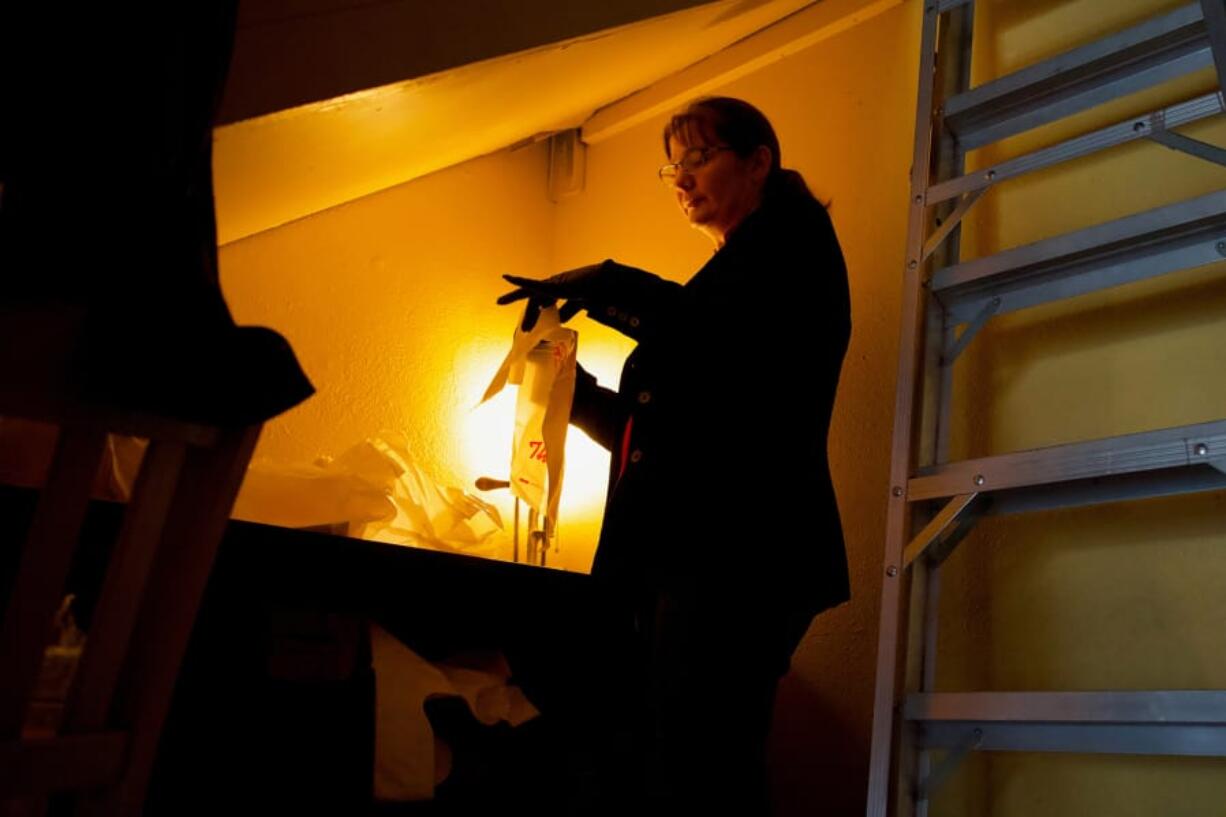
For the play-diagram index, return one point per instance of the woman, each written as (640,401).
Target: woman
(721,533)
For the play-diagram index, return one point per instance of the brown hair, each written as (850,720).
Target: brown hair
(743,128)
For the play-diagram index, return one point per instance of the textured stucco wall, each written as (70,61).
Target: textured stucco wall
(389,303)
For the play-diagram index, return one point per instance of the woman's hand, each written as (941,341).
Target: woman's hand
(577,287)
(627,299)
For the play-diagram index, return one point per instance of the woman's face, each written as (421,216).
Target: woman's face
(717,196)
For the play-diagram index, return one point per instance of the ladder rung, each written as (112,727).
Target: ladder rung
(1192,445)
(1152,52)
(1132,129)
(1158,706)
(1130,739)
(1155,723)
(1117,488)
(1156,242)
(1188,723)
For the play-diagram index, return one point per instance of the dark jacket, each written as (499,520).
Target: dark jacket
(723,478)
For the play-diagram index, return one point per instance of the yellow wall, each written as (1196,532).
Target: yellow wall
(389,304)
(388,301)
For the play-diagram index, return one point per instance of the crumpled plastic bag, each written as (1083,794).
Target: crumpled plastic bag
(426,514)
(374,490)
(408,762)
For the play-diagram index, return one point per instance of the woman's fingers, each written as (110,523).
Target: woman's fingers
(557,289)
(532,311)
(540,295)
(527,288)
(513,296)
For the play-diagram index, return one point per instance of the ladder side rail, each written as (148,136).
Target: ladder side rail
(898,516)
(954,51)
(955,45)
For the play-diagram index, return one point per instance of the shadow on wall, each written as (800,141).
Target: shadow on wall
(825,770)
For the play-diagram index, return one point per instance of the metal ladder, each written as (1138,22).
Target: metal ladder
(935,502)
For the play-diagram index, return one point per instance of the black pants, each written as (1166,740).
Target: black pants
(661,701)
(705,663)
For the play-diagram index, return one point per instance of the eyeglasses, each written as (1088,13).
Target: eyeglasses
(691,160)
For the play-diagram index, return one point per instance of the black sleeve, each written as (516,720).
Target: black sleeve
(596,410)
(634,302)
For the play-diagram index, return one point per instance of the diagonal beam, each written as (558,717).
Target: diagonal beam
(953,511)
(1186,144)
(953,220)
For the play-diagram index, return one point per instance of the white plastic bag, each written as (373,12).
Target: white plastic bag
(542,363)
(380,493)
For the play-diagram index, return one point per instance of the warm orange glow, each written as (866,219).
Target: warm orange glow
(485,441)
(484,435)
(484,431)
